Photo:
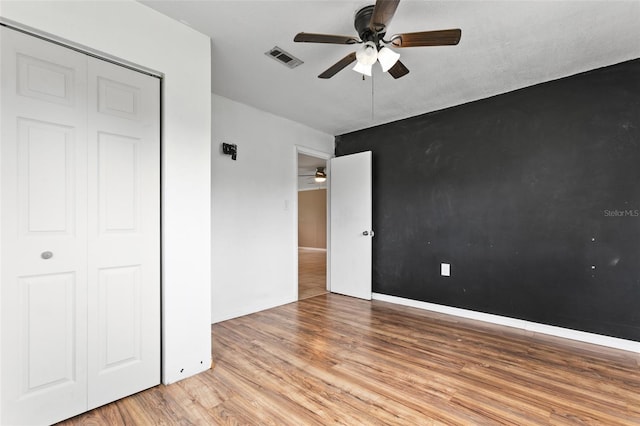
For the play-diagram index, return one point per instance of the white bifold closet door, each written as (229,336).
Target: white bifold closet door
(80,231)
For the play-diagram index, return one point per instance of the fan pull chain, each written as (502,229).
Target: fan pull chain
(372,93)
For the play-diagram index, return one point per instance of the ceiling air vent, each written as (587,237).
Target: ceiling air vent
(283,57)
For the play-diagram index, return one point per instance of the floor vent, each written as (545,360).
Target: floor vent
(283,57)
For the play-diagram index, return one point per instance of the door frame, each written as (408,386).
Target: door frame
(300,149)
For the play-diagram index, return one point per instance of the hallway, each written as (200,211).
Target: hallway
(312,273)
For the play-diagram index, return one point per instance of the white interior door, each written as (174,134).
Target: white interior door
(123,232)
(79,231)
(351,232)
(43,232)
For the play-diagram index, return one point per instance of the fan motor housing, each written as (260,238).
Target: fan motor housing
(361,23)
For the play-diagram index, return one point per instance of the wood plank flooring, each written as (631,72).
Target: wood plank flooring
(337,360)
(312,273)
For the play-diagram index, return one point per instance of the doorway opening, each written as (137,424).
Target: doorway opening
(312,226)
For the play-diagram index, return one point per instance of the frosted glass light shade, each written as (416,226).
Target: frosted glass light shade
(363,69)
(387,58)
(367,54)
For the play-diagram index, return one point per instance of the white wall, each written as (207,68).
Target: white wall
(133,32)
(254,213)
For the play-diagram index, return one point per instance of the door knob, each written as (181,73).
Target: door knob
(46,255)
(365,233)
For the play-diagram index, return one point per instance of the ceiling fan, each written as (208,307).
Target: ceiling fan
(371,23)
(319,176)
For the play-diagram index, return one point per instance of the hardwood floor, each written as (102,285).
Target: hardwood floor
(312,273)
(337,360)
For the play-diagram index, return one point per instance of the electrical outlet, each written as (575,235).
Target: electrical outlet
(445,269)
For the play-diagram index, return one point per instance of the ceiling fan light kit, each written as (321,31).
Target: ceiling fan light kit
(371,23)
(369,53)
(320,175)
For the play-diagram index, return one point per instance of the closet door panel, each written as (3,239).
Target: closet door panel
(43,240)
(124,232)
(118,182)
(46,178)
(42,295)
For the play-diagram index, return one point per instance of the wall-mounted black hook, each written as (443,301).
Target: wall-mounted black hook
(230,149)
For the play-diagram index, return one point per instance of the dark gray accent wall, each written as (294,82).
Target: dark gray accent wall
(532,196)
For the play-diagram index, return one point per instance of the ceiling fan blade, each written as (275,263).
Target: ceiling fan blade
(325,38)
(427,38)
(338,66)
(383,11)
(398,70)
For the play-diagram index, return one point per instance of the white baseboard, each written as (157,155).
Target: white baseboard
(312,248)
(219,315)
(581,336)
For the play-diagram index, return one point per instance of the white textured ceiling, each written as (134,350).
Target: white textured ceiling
(505,45)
